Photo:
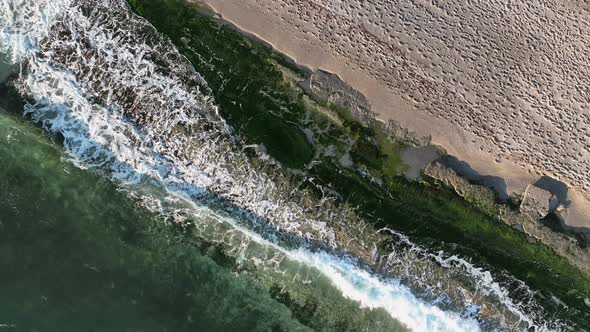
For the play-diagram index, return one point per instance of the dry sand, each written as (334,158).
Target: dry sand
(503,85)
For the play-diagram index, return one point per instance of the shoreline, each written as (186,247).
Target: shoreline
(463,248)
(460,144)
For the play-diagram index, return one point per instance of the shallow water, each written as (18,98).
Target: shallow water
(5,71)
(78,254)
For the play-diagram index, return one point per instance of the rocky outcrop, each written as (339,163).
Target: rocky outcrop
(328,87)
(538,213)
(484,196)
(537,203)
(418,158)
(542,208)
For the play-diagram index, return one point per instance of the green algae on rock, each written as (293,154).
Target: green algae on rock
(253,93)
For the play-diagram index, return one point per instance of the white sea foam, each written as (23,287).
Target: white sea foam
(23,23)
(355,283)
(373,292)
(485,284)
(92,72)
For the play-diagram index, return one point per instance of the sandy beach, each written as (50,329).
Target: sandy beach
(501,87)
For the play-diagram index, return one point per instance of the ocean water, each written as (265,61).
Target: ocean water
(77,254)
(5,71)
(129,204)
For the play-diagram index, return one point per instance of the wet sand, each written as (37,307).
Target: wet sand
(504,93)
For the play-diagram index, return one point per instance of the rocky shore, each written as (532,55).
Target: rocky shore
(543,207)
(538,211)
(505,98)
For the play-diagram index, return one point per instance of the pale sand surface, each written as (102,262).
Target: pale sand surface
(502,85)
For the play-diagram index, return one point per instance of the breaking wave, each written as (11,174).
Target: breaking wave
(128,104)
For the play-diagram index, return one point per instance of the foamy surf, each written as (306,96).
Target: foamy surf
(20,33)
(345,275)
(373,292)
(127,103)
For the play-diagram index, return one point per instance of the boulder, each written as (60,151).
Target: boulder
(537,202)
